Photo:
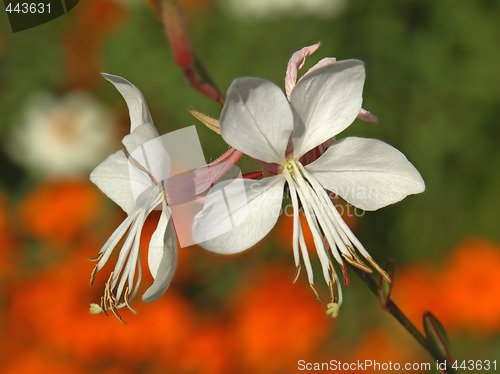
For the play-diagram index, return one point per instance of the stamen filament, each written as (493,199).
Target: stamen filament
(297,274)
(337,240)
(344,228)
(318,240)
(302,242)
(326,224)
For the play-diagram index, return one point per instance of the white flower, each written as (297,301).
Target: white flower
(62,136)
(258,120)
(116,177)
(265,9)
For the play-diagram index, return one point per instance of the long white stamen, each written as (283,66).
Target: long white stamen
(339,287)
(336,231)
(113,240)
(327,224)
(306,200)
(296,219)
(129,271)
(321,213)
(125,250)
(305,257)
(327,228)
(302,242)
(139,278)
(134,255)
(131,260)
(343,227)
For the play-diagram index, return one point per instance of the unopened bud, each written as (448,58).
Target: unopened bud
(436,334)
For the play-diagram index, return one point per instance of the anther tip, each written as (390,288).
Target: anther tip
(332,309)
(95,309)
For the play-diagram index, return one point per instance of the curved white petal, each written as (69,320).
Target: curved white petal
(321,63)
(112,178)
(326,101)
(257,119)
(367,173)
(138,109)
(162,256)
(140,136)
(230,223)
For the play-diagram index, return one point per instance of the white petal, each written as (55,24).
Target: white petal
(140,136)
(367,173)
(252,218)
(156,244)
(162,256)
(112,178)
(138,109)
(321,63)
(257,119)
(326,101)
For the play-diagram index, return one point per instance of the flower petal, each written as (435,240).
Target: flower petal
(250,219)
(140,136)
(363,115)
(367,173)
(323,62)
(296,63)
(326,101)
(138,109)
(257,119)
(162,256)
(367,116)
(112,178)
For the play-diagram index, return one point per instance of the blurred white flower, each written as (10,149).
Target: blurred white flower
(279,8)
(65,136)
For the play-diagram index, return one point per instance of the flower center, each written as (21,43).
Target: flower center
(289,166)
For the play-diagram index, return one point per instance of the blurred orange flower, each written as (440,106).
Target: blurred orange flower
(31,361)
(59,211)
(48,314)
(415,290)
(209,351)
(7,240)
(463,294)
(471,287)
(377,345)
(283,233)
(386,345)
(276,323)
